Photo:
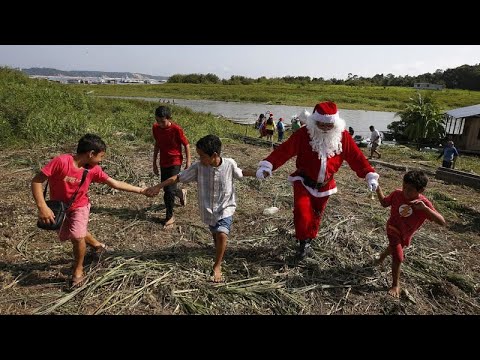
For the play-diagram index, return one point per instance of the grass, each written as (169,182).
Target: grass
(39,112)
(376,98)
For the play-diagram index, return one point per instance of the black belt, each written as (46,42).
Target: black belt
(313,184)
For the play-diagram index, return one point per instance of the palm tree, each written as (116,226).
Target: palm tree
(422,120)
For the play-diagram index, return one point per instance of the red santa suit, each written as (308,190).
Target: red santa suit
(319,156)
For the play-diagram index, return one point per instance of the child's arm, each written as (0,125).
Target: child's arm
(381,197)
(45,214)
(154,190)
(188,160)
(431,214)
(156,150)
(121,185)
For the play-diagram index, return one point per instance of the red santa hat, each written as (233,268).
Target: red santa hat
(325,112)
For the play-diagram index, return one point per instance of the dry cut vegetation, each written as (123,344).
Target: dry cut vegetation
(156,271)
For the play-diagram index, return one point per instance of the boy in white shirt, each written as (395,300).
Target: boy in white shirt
(216,193)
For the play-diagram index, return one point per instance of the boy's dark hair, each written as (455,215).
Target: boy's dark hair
(416,178)
(163,111)
(210,144)
(90,142)
(372,127)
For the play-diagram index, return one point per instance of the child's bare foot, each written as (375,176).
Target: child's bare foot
(102,249)
(217,275)
(77,280)
(394,291)
(169,223)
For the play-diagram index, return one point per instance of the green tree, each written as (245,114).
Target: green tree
(421,121)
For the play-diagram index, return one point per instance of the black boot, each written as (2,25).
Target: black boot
(304,248)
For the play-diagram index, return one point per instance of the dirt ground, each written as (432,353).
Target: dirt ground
(157,271)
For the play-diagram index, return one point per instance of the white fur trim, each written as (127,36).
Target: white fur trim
(304,115)
(313,192)
(372,176)
(327,119)
(265,164)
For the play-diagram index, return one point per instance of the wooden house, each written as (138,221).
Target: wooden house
(462,126)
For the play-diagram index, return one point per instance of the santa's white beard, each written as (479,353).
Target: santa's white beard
(326,143)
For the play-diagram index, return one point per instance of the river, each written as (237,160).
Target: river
(247,113)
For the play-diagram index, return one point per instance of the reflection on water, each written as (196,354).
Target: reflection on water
(247,113)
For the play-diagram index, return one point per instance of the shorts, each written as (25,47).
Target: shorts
(222,225)
(75,224)
(374,146)
(397,242)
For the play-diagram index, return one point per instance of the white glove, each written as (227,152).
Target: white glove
(372,181)
(260,171)
(264,166)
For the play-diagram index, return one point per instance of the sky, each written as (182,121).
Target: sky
(253,61)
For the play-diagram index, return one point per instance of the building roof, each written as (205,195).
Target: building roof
(465,111)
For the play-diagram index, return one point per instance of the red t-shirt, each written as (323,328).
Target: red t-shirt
(64,178)
(169,141)
(403,216)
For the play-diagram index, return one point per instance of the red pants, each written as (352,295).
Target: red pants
(307,212)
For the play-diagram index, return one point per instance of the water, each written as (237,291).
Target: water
(247,113)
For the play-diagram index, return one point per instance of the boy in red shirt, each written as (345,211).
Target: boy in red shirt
(409,210)
(64,174)
(169,138)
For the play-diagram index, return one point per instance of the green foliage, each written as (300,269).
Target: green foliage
(298,94)
(39,112)
(421,120)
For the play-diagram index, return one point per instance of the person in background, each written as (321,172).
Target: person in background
(270,128)
(374,142)
(259,121)
(169,139)
(320,149)
(295,124)
(450,155)
(280,129)
(409,210)
(351,131)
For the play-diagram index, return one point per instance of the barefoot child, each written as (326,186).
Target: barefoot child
(409,209)
(169,139)
(216,193)
(64,174)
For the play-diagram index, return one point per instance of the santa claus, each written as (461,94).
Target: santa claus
(320,147)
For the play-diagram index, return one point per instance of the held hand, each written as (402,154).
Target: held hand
(187,165)
(143,191)
(152,191)
(372,184)
(155,168)
(372,181)
(263,172)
